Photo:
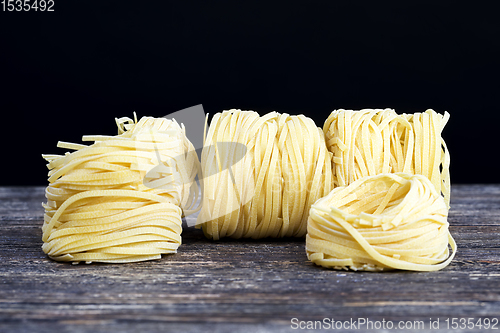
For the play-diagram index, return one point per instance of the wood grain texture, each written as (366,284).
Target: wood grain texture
(238,285)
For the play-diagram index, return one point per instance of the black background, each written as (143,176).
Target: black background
(68,73)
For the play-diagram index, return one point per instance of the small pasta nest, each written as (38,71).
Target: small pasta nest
(121,198)
(382,222)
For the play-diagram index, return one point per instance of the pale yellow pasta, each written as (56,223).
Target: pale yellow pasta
(373,141)
(120,199)
(261,174)
(386,221)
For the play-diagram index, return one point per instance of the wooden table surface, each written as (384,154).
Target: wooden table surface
(242,285)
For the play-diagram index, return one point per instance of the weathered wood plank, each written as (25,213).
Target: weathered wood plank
(238,285)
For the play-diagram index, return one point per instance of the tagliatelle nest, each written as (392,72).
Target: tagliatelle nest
(374,141)
(120,198)
(387,221)
(261,174)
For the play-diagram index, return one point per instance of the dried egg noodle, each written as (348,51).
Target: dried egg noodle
(267,190)
(120,198)
(373,141)
(387,221)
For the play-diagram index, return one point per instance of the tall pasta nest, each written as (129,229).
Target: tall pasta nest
(261,174)
(369,142)
(121,198)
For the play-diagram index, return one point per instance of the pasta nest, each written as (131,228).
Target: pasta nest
(261,174)
(387,221)
(374,141)
(121,198)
